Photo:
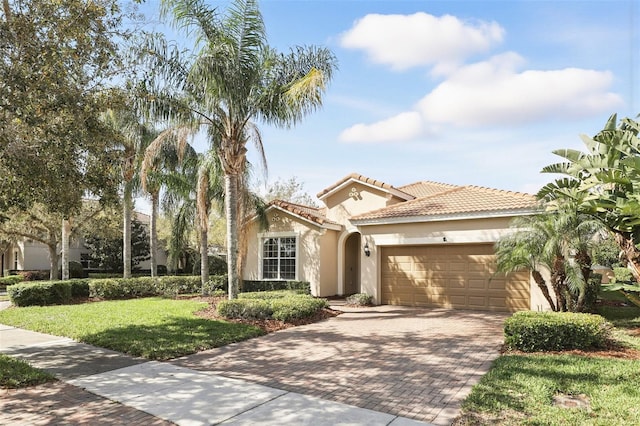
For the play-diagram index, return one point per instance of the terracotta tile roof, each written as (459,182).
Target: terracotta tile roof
(425,188)
(312,214)
(363,179)
(455,201)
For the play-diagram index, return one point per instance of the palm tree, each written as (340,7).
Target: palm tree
(232,79)
(605,181)
(135,136)
(559,241)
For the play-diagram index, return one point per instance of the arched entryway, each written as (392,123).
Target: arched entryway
(352,264)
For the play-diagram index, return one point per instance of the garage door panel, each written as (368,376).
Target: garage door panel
(452,276)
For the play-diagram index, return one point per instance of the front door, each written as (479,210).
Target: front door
(352,264)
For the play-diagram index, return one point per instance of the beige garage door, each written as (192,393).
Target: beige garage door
(451,276)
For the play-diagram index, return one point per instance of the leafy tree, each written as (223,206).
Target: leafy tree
(291,190)
(57,59)
(605,182)
(40,225)
(106,246)
(560,242)
(231,79)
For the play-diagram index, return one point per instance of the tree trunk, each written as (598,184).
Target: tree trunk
(542,284)
(231,192)
(66,232)
(54,273)
(630,251)
(153,243)
(126,231)
(204,256)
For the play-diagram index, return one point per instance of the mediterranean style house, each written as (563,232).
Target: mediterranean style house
(424,244)
(29,255)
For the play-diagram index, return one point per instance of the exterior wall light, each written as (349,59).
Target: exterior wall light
(367,252)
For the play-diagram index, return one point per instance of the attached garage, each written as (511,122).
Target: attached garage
(452,276)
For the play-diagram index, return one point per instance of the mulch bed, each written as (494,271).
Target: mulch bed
(267,325)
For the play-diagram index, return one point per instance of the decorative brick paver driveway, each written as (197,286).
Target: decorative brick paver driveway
(416,363)
(59,403)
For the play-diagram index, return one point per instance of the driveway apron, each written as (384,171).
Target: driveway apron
(415,363)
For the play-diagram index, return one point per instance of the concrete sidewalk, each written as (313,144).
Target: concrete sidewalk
(166,391)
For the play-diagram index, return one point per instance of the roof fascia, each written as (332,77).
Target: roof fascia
(331,226)
(395,192)
(444,217)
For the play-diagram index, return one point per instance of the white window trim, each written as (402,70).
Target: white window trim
(262,236)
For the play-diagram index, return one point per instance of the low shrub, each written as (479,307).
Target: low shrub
(622,275)
(122,288)
(172,285)
(278,305)
(360,299)
(555,331)
(42,275)
(79,287)
(245,309)
(10,280)
(296,307)
(215,283)
(272,285)
(40,293)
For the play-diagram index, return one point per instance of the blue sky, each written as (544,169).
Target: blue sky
(461,92)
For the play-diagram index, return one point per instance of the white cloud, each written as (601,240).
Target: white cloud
(405,41)
(494,92)
(401,127)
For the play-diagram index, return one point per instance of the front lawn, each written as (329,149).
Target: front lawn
(154,328)
(520,388)
(15,373)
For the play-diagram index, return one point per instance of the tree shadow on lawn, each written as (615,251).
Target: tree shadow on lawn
(174,337)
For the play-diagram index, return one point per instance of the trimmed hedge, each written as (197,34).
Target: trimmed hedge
(61,292)
(360,299)
(280,305)
(47,292)
(11,280)
(555,331)
(272,285)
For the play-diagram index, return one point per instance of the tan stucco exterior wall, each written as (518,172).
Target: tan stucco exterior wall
(354,199)
(466,231)
(316,260)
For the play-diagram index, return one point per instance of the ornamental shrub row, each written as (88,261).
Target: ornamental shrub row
(62,292)
(272,285)
(282,306)
(555,331)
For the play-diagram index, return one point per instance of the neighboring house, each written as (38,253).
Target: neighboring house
(29,255)
(423,244)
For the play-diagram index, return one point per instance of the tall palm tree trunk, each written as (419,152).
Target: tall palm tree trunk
(231,202)
(204,256)
(126,231)
(153,243)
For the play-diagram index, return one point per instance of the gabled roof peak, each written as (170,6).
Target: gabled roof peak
(366,181)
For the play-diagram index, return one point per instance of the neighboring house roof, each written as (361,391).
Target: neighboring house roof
(311,214)
(355,177)
(457,201)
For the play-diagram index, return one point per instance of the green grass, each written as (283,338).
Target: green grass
(15,374)
(518,390)
(153,328)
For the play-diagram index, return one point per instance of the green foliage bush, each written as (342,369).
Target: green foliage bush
(122,288)
(60,292)
(271,285)
(245,309)
(360,299)
(296,307)
(10,280)
(622,275)
(75,270)
(40,293)
(34,275)
(555,331)
(278,305)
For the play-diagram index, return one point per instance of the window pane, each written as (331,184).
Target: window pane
(288,247)
(270,268)
(270,248)
(288,269)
